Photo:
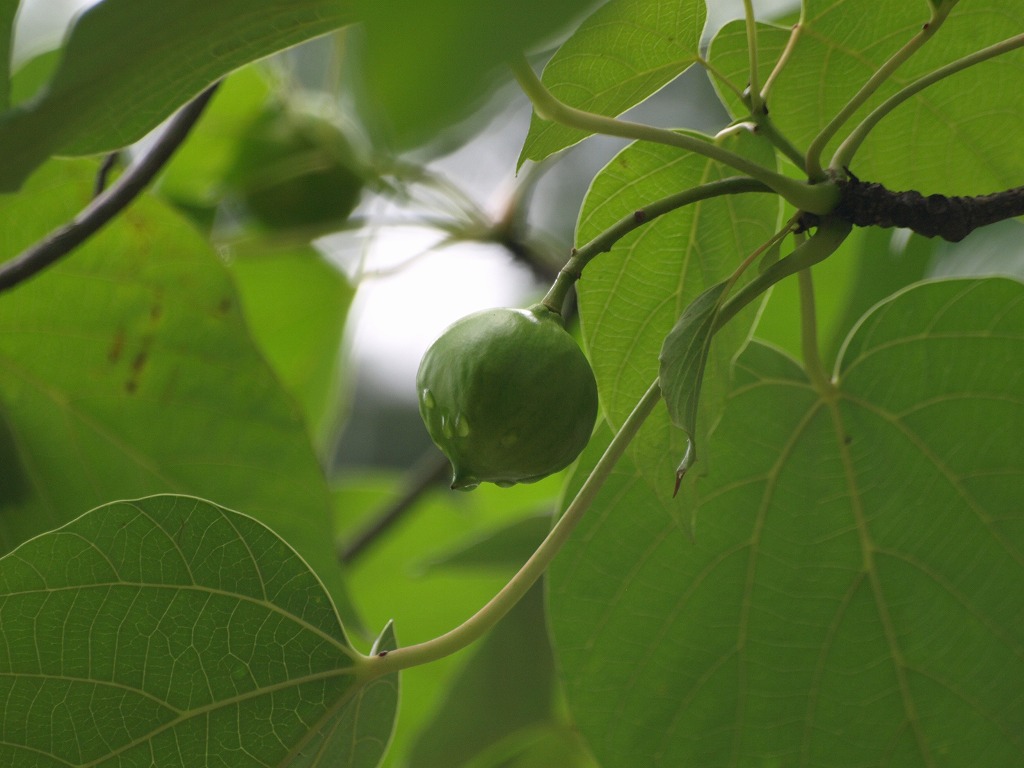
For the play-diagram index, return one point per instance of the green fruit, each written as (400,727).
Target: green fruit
(296,170)
(508,396)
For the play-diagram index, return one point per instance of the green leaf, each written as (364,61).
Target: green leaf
(506,687)
(939,141)
(295,304)
(30,76)
(428,65)
(684,356)
(129,63)
(8,11)
(127,369)
(170,631)
(541,747)
(848,598)
(631,297)
(624,52)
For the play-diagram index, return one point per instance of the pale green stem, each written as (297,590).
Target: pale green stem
(883,73)
(767,129)
(844,154)
(487,617)
(829,236)
(755,101)
(794,35)
(582,256)
(757,96)
(815,198)
(809,335)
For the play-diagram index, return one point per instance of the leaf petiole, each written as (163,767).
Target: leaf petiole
(794,35)
(844,154)
(809,336)
(583,255)
(818,198)
(883,73)
(755,99)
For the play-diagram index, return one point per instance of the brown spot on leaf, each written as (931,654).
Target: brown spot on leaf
(116,346)
(138,365)
(140,361)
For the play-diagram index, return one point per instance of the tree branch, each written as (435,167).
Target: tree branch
(108,204)
(868,204)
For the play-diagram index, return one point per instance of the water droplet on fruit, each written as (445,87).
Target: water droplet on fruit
(461,426)
(427,398)
(446,425)
(461,482)
(504,483)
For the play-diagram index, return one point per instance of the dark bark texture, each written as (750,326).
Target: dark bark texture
(869,204)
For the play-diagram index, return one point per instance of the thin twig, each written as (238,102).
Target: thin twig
(105,206)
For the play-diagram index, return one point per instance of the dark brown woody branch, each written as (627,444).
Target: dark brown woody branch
(869,204)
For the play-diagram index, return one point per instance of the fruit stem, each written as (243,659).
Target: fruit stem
(573,269)
(487,617)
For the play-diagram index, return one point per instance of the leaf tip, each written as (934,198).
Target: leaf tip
(689,458)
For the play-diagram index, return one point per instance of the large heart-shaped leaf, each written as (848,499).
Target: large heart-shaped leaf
(850,597)
(128,64)
(127,370)
(170,631)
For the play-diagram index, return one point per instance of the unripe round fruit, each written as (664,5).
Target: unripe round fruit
(296,170)
(508,395)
